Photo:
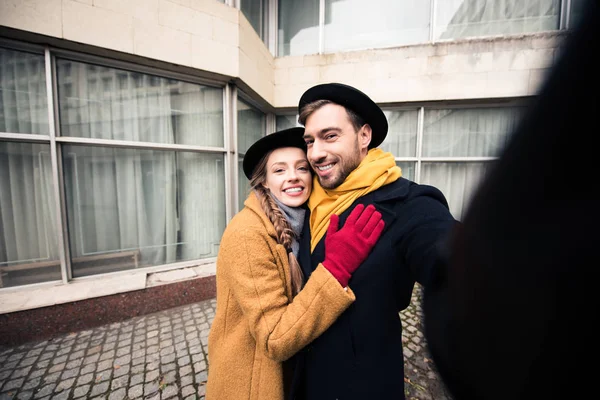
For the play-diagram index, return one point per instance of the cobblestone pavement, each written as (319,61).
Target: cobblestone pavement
(157,356)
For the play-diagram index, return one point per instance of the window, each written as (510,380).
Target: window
(252,125)
(257,13)
(286,121)
(329,26)
(131,208)
(298,31)
(29,250)
(357,24)
(141,159)
(466,18)
(23,96)
(105,103)
(452,149)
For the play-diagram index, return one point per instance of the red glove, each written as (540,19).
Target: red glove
(347,248)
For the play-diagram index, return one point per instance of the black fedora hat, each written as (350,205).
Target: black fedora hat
(354,100)
(291,137)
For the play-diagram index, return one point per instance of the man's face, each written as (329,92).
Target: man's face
(335,149)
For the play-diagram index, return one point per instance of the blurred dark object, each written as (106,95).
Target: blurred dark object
(511,314)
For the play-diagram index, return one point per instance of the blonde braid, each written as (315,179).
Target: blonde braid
(285,234)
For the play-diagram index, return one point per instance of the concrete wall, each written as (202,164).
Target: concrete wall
(467,69)
(201,34)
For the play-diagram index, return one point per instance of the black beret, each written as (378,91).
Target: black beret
(291,137)
(354,100)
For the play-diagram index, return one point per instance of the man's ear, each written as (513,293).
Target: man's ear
(365,134)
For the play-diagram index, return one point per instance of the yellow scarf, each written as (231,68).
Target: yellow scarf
(377,169)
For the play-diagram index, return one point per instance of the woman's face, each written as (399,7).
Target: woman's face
(288,176)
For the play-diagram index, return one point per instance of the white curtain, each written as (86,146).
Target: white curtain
(125,199)
(464,18)
(27,208)
(476,132)
(401,139)
(458,181)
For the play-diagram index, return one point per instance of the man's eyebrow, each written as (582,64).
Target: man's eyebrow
(323,131)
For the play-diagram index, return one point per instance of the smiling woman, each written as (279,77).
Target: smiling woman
(257,328)
(288,176)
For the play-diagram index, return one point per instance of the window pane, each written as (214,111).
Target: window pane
(255,12)
(23,101)
(28,240)
(286,121)
(458,181)
(136,208)
(298,27)
(408,169)
(105,103)
(252,125)
(475,132)
(358,24)
(465,18)
(401,139)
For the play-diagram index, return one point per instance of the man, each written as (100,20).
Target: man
(360,356)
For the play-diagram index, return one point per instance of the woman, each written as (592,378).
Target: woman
(264,315)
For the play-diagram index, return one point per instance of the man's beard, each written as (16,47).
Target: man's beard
(346,167)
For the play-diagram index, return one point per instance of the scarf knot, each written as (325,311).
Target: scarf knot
(377,169)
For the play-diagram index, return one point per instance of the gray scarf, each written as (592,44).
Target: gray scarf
(295,216)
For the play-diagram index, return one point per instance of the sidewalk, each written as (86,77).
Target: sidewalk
(158,356)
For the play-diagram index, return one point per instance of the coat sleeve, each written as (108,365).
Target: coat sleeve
(279,327)
(428,223)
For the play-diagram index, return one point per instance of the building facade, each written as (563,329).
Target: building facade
(123,123)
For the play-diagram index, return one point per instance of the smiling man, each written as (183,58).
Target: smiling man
(360,356)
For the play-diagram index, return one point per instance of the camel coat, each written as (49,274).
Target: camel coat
(256,326)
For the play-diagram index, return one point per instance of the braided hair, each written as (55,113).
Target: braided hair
(283,229)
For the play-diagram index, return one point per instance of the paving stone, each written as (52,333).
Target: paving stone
(13,384)
(136,391)
(70,373)
(62,395)
(65,384)
(20,372)
(88,368)
(81,391)
(150,388)
(169,391)
(44,391)
(106,364)
(121,371)
(32,383)
(187,380)
(59,360)
(152,375)
(201,377)
(188,390)
(119,382)
(25,395)
(136,379)
(99,388)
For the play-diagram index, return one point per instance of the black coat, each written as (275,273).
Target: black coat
(360,356)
